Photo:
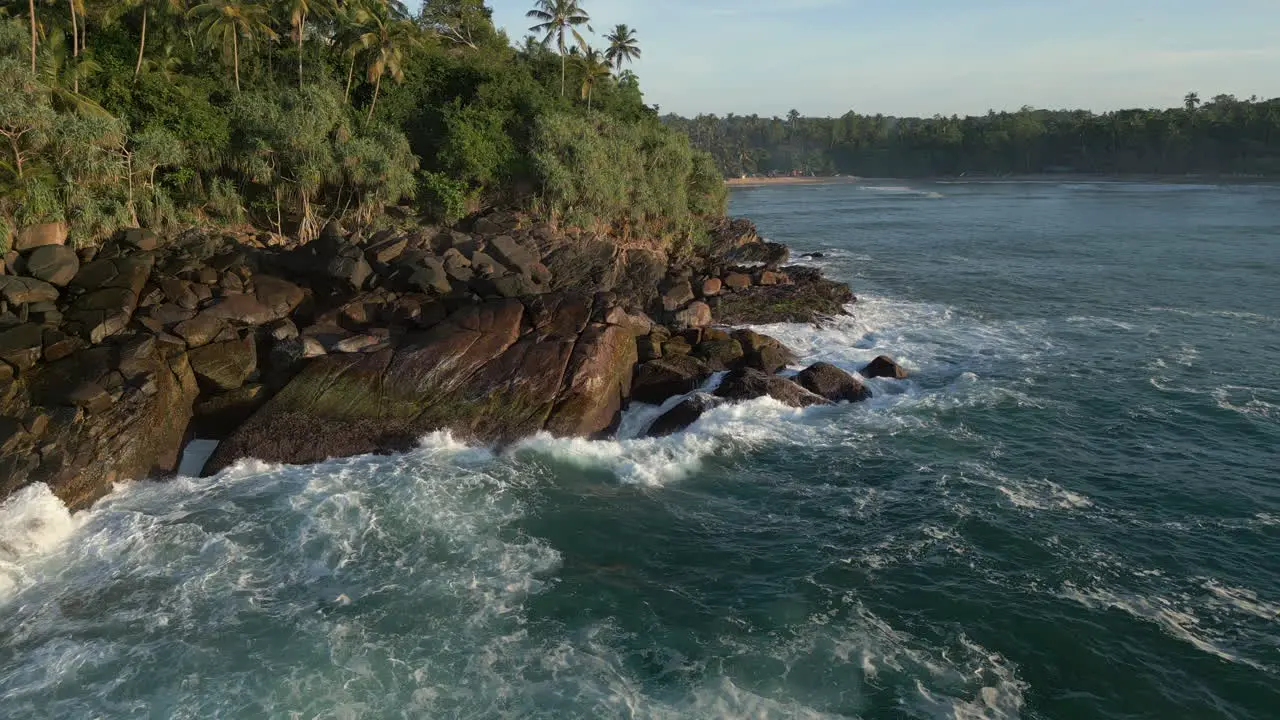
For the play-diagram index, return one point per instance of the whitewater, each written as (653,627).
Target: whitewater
(1070,509)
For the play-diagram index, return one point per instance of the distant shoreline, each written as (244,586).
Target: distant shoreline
(765,181)
(752,182)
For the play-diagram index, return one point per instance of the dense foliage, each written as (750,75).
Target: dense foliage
(1222,136)
(289,113)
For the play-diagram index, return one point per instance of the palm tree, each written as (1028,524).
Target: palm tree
(555,19)
(31,11)
(595,69)
(124,6)
(1191,101)
(226,21)
(298,10)
(622,46)
(384,41)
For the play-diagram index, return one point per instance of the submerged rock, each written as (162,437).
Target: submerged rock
(683,414)
(667,377)
(883,367)
(832,383)
(749,384)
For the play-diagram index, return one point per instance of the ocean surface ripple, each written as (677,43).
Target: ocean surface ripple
(1071,510)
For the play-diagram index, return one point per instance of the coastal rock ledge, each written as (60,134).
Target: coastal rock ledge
(113,358)
(493,372)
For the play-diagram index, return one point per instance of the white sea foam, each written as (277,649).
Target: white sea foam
(1178,618)
(1252,402)
(33,523)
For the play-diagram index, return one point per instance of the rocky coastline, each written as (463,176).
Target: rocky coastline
(112,359)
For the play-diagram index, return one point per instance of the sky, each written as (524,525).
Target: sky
(925,57)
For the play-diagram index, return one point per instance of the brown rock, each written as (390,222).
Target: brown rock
(225,365)
(884,367)
(22,346)
(711,287)
(667,377)
(20,290)
(697,314)
(749,383)
(54,264)
(832,383)
(719,354)
(90,397)
(200,330)
(684,414)
(677,295)
(34,236)
(737,281)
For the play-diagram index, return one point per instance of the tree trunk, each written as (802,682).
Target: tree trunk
(301,26)
(142,44)
(75,46)
(17,154)
(376,87)
(31,9)
(235,53)
(561,67)
(351,72)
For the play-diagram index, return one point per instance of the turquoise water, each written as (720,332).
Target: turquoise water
(1072,510)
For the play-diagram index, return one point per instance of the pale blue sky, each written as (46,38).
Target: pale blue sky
(920,57)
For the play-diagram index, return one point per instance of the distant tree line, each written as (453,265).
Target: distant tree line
(289,113)
(1225,135)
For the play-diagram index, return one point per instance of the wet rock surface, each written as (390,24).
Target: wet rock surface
(111,358)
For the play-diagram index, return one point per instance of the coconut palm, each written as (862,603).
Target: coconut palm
(298,10)
(384,41)
(556,18)
(595,69)
(122,7)
(224,22)
(622,46)
(31,12)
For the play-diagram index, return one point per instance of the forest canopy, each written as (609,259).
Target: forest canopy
(289,113)
(1225,136)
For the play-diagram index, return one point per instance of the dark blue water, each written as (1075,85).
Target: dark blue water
(1071,510)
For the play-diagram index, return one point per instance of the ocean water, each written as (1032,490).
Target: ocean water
(1071,510)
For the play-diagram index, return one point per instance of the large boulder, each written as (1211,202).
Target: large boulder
(720,354)
(111,413)
(667,377)
(224,366)
(22,346)
(54,264)
(512,254)
(478,373)
(883,367)
(696,315)
(684,414)
(200,330)
(21,291)
(762,352)
(34,236)
(676,295)
(749,384)
(832,383)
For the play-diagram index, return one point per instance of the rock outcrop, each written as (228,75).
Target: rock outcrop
(112,357)
(493,372)
(883,367)
(749,384)
(832,383)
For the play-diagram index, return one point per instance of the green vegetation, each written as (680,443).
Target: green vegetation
(1223,136)
(290,113)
